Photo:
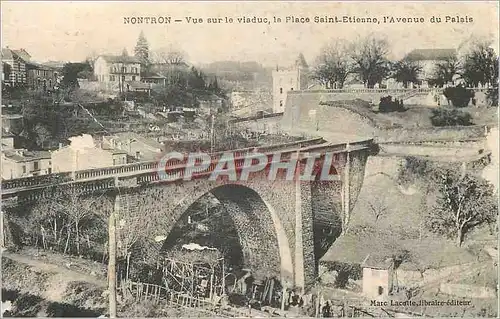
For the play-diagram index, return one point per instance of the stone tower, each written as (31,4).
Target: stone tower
(289,79)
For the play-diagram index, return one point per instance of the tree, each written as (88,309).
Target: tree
(72,72)
(459,96)
(141,50)
(169,55)
(91,58)
(131,227)
(445,70)
(463,203)
(369,55)
(124,52)
(42,135)
(480,65)
(444,117)
(333,65)
(406,71)
(377,207)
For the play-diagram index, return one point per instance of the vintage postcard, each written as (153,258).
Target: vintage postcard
(249,159)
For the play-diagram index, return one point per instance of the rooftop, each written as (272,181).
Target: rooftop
(139,85)
(128,136)
(120,59)
(37,65)
(377,262)
(152,75)
(9,54)
(21,155)
(431,54)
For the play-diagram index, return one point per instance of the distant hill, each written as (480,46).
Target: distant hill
(242,75)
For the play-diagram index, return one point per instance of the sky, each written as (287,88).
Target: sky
(70,31)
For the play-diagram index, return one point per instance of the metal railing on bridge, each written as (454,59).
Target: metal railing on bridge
(172,167)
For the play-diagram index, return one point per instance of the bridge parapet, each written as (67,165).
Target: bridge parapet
(175,169)
(388,91)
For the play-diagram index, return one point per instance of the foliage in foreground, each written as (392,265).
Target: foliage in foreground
(445,117)
(463,201)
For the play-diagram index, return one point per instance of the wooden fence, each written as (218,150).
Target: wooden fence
(159,294)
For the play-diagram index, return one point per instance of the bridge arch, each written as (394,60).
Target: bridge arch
(262,237)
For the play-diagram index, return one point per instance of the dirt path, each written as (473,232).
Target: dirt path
(62,276)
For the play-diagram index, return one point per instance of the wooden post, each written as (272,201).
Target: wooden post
(112,260)
(283,296)
(223,278)
(212,290)
(2,231)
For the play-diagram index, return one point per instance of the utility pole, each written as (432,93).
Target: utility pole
(112,259)
(212,133)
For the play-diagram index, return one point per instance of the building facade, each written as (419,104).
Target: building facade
(285,80)
(14,66)
(428,59)
(116,73)
(69,159)
(83,153)
(378,275)
(17,163)
(42,77)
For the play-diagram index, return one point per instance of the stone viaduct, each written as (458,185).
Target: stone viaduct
(284,226)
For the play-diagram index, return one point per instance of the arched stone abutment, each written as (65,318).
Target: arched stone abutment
(263,237)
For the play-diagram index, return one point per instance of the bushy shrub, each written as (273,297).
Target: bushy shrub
(387,104)
(458,96)
(443,117)
(492,96)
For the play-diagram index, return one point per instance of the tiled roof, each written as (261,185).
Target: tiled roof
(377,262)
(7,54)
(114,151)
(138,85)
(26,156)
(431,54)
(126,136)
(39,66)
(23,54)
(152,75)
(120,59)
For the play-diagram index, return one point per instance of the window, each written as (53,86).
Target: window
(291,89)
(114,161)
(281,103)
(36,166)
(112,78)
(123,78)
(124,69)
(281,90)
(24,169)
(134,70)
(138,154)
(133,77)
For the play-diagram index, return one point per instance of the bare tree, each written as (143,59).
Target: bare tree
(91,58)
(65,208)
(370,58)
(169,55)
(377,207)
(131,227)
(333,64)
